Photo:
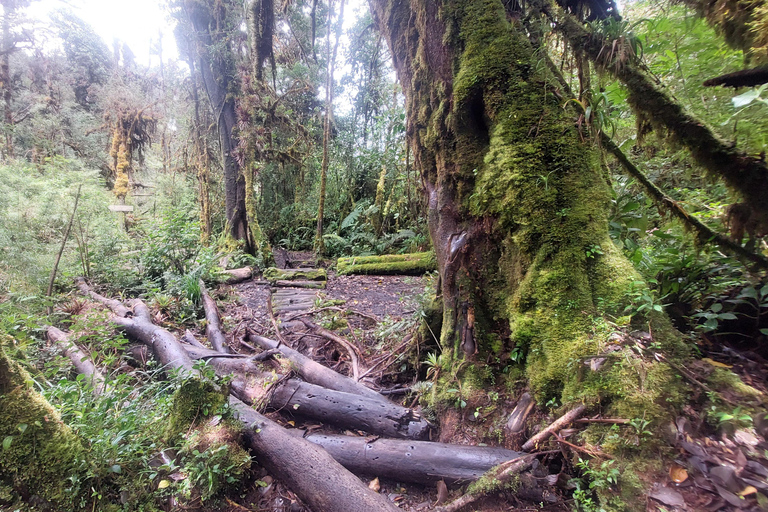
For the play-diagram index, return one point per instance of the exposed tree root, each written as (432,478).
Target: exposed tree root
(80,360)
(213,322)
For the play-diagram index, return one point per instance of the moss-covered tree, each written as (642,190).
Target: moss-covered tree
(213,27)
(517,201)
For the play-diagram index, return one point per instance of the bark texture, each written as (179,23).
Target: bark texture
(515,200)
(217,69)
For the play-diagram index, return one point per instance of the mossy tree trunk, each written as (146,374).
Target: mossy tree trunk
(517,203)
(213,23)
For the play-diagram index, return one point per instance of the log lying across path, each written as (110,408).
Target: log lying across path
(412,461)
(346,410)
(80,359)
(310,472)
(313,466)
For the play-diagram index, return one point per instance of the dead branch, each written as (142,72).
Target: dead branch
(352,350)
(564,420)
(314,372)
(500,475)
(80,360)
(191,339)
(213,322)
(115,305)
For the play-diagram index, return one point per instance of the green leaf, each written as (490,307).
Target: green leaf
(717,307)
(115,468)
(764,331)
(22,427)
(727,316)
(7,442)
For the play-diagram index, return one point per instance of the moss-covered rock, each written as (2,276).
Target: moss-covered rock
(41,458)
(415,263)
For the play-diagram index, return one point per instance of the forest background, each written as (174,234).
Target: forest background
(316,143)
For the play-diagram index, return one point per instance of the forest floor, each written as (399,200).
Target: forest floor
(704,468)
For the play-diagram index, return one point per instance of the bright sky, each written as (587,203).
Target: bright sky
(135,22)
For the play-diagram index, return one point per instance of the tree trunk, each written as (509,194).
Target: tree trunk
(517,205)
(412,461)
(217,69)
(9,8)
(319,244)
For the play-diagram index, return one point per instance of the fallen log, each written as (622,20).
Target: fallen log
(314,372)
(413,461)
(309,471)
(236,275)
(496,478)
(292,396)
(213,322)
(80,360)
(516,420)
(415,263)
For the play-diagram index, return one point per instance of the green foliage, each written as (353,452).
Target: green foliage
(595,478)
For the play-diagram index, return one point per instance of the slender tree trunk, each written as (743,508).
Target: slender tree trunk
(517,205)
(217,70)
(9,7)
(319,245)
(202,162)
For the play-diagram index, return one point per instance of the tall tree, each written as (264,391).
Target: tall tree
(517,201)
(329,83)
(11,37)
(215,27)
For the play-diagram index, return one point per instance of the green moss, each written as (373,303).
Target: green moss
(416,263)
(44,456)
(279,274)
(723,379)
(194,401)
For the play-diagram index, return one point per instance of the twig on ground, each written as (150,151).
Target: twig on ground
(352,350)
(559,423)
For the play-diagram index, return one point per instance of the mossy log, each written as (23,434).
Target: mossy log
(39,451)
(316,285)
(390,264)
(413,461)
(237,275)
(273,274)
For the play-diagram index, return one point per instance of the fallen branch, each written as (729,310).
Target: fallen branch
(564,420)
(116,306)
(352,350)
(63,244)
(314,372)
(309,471)
(191,339)
(499,475)
(80,360)
(213,322)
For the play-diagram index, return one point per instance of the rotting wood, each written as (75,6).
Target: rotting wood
(213,322)
(500,475)
(80,360)
(413,461)
(516,420)
(304,274)
(559,423)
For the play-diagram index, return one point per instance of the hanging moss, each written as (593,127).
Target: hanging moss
(41,457)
